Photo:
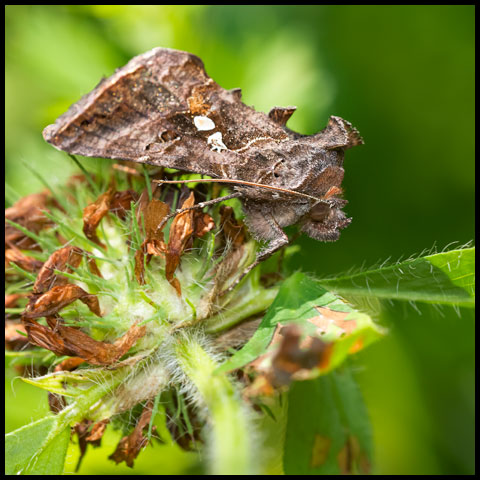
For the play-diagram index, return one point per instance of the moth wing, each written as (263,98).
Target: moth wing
(338,134)
(145,112)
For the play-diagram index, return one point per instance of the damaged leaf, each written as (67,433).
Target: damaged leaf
(328,429)
(327,331)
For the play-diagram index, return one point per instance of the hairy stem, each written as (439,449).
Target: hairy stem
(229,436)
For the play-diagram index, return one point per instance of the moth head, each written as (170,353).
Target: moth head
(325,220)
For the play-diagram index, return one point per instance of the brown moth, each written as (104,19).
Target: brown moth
(163,109)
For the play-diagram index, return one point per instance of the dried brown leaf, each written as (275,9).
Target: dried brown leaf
(140,266)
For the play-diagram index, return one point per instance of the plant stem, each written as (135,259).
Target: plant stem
(230,441)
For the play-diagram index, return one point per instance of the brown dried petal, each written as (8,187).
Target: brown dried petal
(93,214)
(14,255)
(27,212)
(97,432)
(69,364)
(56,402)
(59,297)
(130,446)
(12,299)
(140,266)
(180,232)
(203,223)
(13,339)
(121,201)
(61,260)
(233,230)
(153,214)
(73,342)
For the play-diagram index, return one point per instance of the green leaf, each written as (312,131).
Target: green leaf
(444,278)
(37,449)
(328,430)
(305,302)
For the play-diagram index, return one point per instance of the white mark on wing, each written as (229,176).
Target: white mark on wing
(203,123)
(216,142)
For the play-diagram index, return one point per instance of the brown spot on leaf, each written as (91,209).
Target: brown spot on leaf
(288,358)
(328,317)
(352,459)
(320,450)
(357,346)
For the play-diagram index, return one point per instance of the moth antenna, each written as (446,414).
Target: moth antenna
(242,182)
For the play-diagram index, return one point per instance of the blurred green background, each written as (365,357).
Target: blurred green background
(403,75)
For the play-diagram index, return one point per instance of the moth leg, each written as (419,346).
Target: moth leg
(270,231)
(197,205)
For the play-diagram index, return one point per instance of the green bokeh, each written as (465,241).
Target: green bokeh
(403,75)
